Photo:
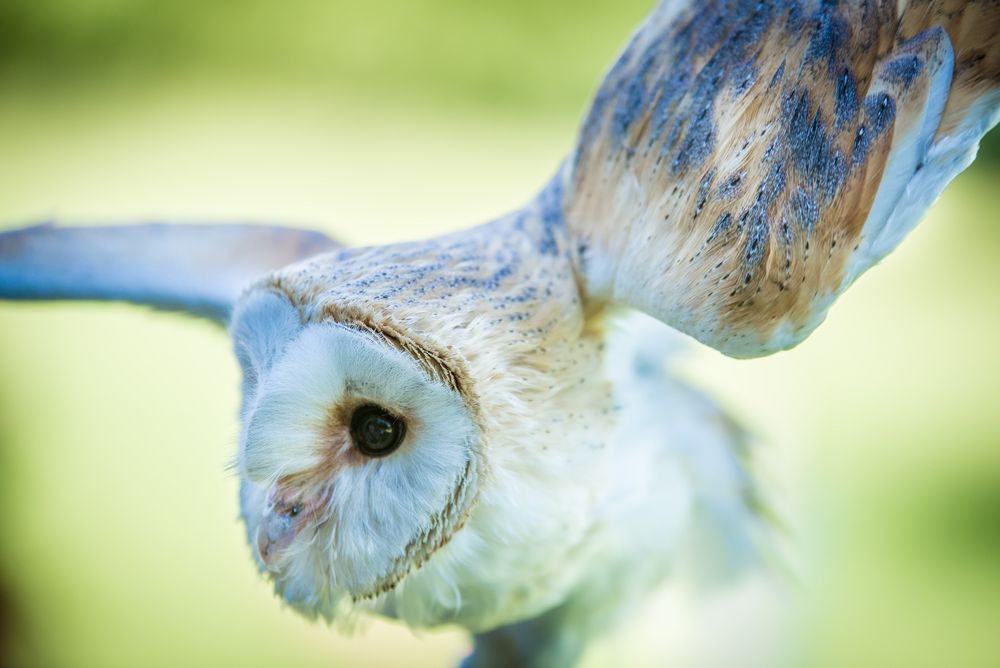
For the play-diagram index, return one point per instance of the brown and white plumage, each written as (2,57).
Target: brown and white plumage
(742,164)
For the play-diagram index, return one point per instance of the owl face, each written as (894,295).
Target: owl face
(356,461)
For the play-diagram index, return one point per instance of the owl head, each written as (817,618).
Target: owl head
(377,383)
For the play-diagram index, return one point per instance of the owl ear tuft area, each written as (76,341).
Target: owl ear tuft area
(198,269)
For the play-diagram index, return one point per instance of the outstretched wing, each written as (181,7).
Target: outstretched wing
(201,269)
(744,162)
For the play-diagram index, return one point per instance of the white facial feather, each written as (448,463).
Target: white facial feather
(375,509)
(261,327)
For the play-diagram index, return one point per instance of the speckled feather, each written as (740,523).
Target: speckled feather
(511,282)
(727,174)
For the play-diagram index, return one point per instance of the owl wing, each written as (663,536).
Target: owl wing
(201,269)
(744,162)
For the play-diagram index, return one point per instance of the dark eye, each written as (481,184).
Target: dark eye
(376,432)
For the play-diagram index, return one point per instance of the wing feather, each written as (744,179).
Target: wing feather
(201,269)
(744,162)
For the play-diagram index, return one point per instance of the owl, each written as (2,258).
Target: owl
(478,429)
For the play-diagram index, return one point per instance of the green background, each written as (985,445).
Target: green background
(377,121)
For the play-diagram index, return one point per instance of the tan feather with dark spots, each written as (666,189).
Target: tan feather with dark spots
(745,244)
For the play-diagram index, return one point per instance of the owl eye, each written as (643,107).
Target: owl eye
(376,432)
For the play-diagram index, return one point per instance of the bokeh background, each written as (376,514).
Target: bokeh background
(390,119)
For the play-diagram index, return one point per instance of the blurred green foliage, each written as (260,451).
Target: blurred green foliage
(392,119)
(989,150)
(548,54)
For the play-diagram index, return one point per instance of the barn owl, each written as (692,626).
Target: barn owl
(472,429)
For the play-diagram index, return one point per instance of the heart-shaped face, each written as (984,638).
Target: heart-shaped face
(357,461)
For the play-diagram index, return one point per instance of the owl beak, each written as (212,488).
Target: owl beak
(274,534)
(280,523)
